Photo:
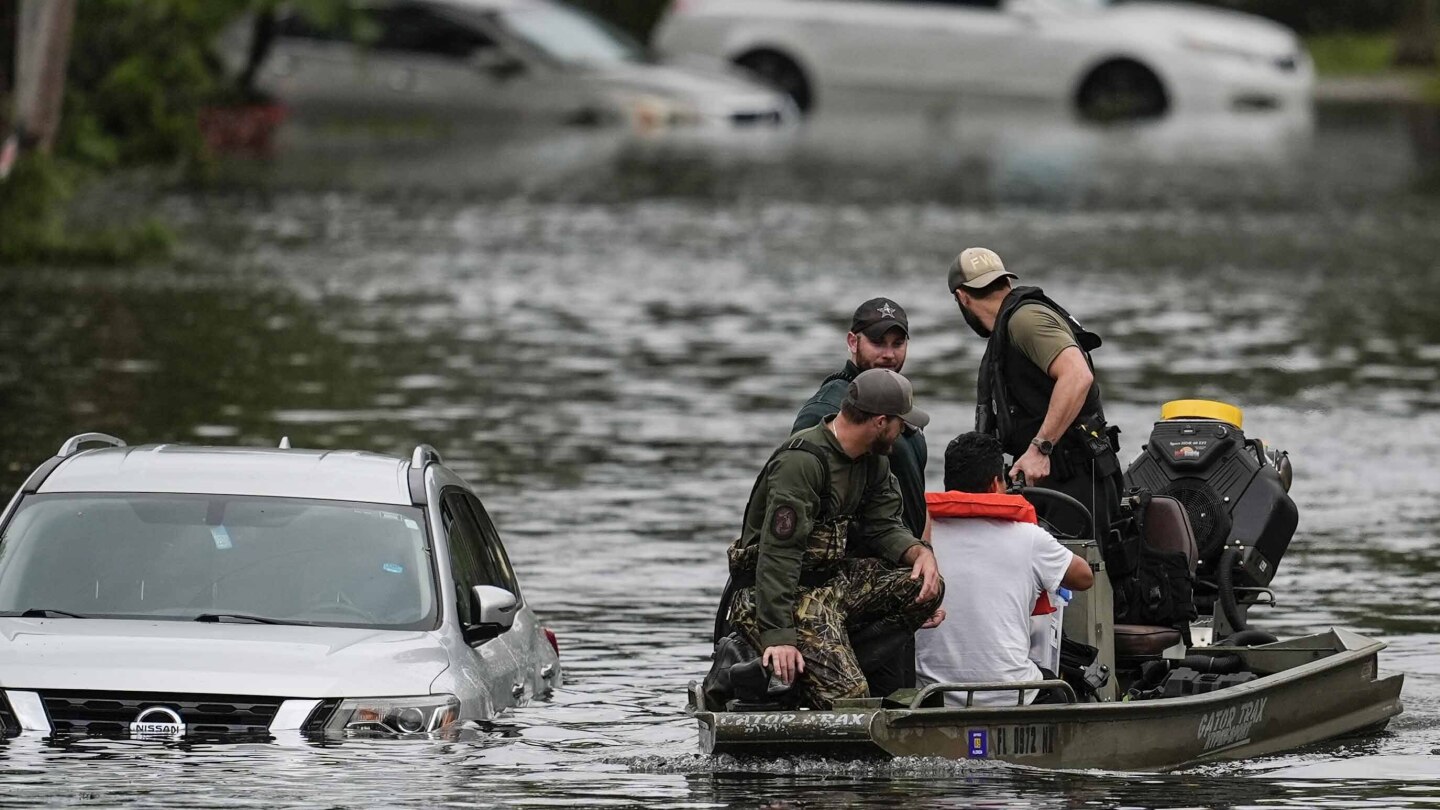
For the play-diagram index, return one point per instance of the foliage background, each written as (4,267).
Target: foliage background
(141,70)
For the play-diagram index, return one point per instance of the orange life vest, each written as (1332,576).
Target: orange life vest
(993,505)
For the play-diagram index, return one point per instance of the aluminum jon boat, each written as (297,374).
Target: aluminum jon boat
(1173,691)
(1310,689)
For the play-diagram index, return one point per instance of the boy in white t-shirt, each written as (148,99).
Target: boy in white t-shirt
(995,560)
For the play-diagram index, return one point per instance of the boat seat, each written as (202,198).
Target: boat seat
(1167,528)
(1143,641)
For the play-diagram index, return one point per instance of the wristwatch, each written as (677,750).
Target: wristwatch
(1045,446)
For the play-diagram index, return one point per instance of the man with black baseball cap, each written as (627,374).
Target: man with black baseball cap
(1037,392)
(879,337)
(797,592)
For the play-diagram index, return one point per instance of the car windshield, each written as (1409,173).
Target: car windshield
(571,36)
(218,558)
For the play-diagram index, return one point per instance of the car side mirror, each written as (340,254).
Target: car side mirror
(497,605)
(496,610)
(496,63)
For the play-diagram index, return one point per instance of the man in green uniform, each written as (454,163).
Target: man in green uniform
(797,589)
(1037,392)
(879,338)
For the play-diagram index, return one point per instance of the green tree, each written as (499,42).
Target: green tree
(140,73)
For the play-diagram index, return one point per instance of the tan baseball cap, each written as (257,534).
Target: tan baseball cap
(882,391)
(977,268)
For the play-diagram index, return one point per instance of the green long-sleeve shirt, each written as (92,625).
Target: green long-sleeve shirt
(907,460)
(781,515)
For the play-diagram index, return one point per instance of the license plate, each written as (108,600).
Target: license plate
(1023,741)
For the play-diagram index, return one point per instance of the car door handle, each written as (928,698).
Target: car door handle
(518,690)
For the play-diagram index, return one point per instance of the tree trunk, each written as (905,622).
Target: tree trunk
(1415,44)
(8,35)
(42,50)
(262,37)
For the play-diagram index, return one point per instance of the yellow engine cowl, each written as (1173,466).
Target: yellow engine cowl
(1202,409)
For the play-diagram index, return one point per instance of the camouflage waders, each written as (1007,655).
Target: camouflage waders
(790,580)
(862,591)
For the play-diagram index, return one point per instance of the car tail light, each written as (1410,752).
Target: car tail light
(550,637)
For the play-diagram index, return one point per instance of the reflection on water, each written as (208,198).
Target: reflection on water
(607,336)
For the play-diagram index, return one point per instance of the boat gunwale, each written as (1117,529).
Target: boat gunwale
(1345,655)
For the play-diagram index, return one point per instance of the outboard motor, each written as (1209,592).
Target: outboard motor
(1235,492)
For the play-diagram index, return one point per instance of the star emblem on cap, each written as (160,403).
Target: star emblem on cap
(887,310)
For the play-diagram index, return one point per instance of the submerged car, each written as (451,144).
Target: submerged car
(490,61)
(178,592)
(1108,60)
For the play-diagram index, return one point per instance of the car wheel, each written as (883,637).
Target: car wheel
(1122,90)
(780,72)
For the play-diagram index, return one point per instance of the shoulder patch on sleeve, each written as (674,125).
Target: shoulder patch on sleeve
(782,525)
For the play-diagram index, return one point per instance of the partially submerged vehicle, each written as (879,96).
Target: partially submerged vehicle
(176,592)
(447,65)
(1150,697)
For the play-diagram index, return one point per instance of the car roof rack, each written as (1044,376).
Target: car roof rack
(72,444)
(423,455)
(68,449)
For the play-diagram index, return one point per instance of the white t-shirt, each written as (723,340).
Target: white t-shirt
(993,570)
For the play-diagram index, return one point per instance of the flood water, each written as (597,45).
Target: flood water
(606,336)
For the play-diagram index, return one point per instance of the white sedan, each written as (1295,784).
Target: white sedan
(1122,60)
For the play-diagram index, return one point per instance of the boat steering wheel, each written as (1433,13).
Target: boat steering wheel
(1061,515)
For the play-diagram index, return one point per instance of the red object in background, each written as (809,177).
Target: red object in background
(9,152)
(241,130)
(550,637)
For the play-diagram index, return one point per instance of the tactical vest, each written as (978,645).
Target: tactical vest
(825,547)
(1013,393)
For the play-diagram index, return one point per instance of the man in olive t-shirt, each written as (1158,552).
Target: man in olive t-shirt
(1040,334)
(1037,390)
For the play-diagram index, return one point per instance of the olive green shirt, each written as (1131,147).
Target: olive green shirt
(793,480)
(1040,334)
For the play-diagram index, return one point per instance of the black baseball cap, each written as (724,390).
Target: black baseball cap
(884,392)
(877,316)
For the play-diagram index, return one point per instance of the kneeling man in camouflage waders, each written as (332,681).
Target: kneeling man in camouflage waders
(798,591)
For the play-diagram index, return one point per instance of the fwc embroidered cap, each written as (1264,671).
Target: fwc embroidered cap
(878,316)
(882,391)
(977,268)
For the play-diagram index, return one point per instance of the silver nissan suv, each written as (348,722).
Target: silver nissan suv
(176,592)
